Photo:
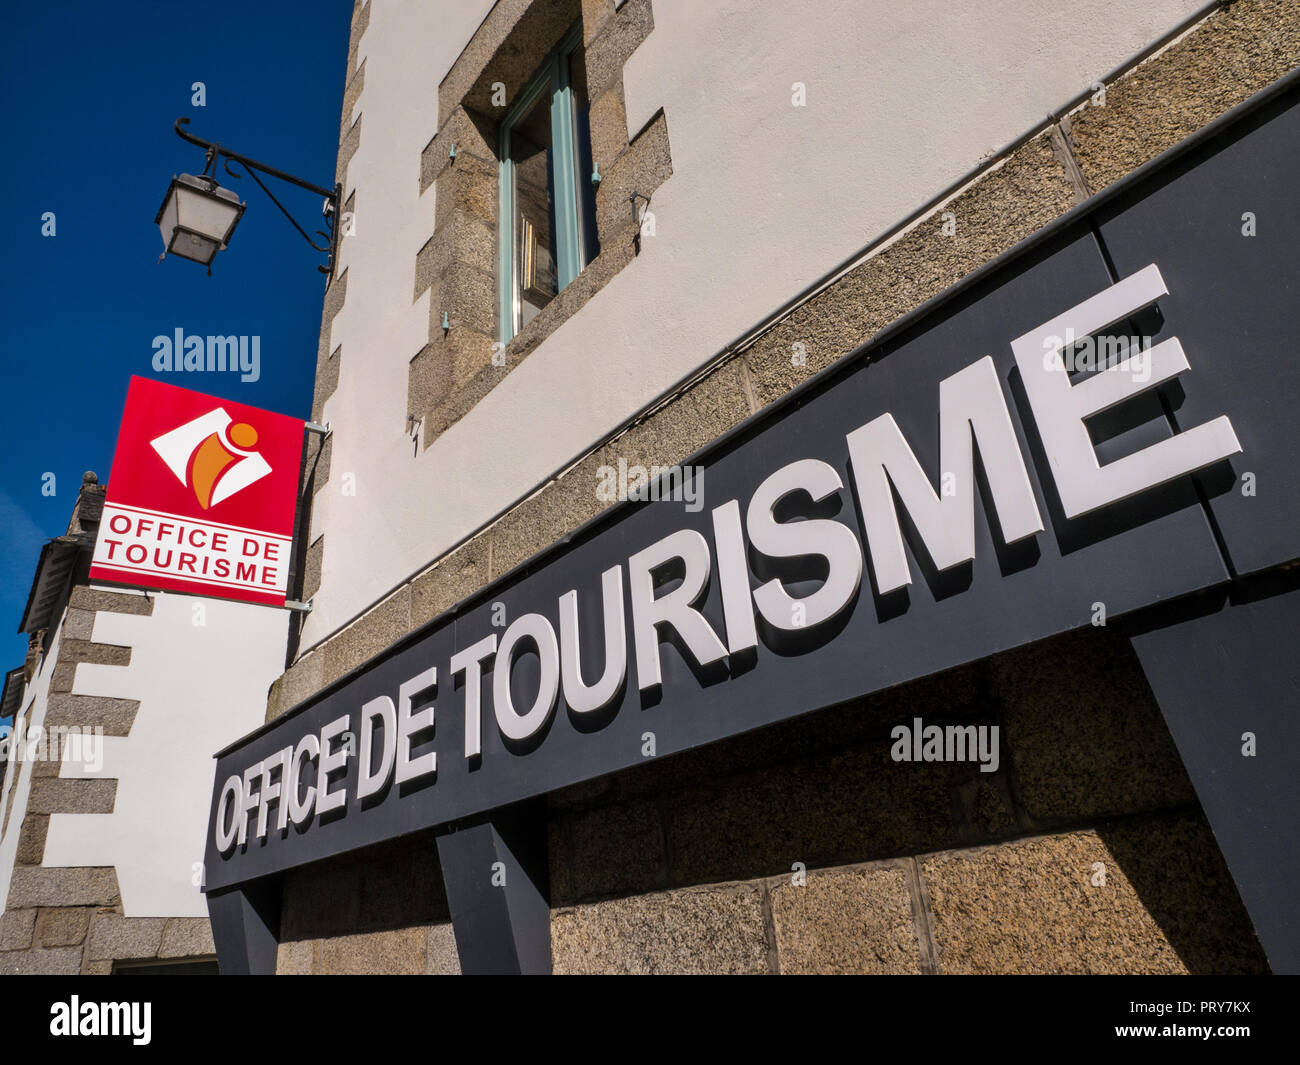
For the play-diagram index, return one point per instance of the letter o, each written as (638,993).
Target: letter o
(232,788)
(113,523)
(515,726)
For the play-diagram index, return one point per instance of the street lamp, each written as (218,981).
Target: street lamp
(198,216)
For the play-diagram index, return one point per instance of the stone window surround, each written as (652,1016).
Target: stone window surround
(458,265)
(458,262)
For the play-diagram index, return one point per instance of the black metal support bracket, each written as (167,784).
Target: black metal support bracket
(1222,686)
(333,196)
(495,872)
(246,927)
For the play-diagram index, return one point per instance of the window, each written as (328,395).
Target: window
(547,221)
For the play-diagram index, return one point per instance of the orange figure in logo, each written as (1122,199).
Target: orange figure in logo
(212,458)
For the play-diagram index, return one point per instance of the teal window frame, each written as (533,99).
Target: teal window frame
(569,236)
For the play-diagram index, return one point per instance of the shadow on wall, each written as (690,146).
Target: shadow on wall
(1086,774)
(1003,864)
(1183,883)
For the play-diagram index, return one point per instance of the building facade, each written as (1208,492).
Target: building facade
(115,714)
(593,246)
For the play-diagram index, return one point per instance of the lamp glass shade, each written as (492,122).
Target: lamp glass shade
(196,220)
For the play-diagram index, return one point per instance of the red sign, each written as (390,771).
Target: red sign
(201,496)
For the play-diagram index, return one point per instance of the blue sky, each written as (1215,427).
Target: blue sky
(90,92)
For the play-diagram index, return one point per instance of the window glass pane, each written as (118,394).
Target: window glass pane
(534,223)
(582,150)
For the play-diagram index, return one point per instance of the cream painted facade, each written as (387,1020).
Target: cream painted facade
(199,668)
(127,696)
(192,703)
(765,196)
(18,772)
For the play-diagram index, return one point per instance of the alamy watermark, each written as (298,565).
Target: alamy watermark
(920,742)
(77,1018)
(1092,353)
(66,743)
(679,484)
(179,353)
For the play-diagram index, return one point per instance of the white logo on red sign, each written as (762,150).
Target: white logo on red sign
(209,455)
(202,496)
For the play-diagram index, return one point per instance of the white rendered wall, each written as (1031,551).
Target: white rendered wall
(902,99)
(200,688)
(18,771)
